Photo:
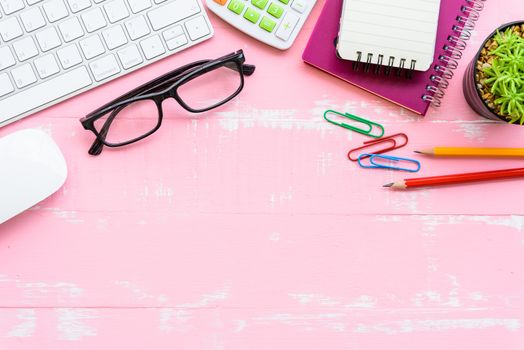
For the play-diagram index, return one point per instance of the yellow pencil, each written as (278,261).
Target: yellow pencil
(473,152)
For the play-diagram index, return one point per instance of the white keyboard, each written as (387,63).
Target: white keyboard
(51,50)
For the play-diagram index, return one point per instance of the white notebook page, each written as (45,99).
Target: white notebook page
(389,31)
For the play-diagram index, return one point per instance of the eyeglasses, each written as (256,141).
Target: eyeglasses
(197,87)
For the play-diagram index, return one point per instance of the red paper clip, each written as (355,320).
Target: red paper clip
(388,139)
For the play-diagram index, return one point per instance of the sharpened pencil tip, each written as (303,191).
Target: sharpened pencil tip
(388,185)
(418,152)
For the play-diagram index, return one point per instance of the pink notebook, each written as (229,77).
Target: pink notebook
(456,20)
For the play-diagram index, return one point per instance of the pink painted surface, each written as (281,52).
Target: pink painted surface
(247,228)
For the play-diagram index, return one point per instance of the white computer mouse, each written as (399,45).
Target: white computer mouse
(31,169)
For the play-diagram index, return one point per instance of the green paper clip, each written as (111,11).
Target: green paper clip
(371,125)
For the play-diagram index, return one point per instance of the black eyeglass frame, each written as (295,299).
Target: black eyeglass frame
(158,90)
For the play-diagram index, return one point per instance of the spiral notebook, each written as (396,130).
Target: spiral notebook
(456,21)
(398,33)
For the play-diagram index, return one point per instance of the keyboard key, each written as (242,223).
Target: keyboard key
(152,47)
(261,4)
(25,48)
(221,2)
(10,29)
(93,20)
(287,25)
(139,5)
(267,24)
(5,85)
(32,2)
(32,19)
(38,95)
(69,56)
(172,12)
(275,10)
(176,42)
(48,39)
(236,6)
(251,15)
(299,5)
(172,32)
(71,29)
(11,6)
(46,66)
(114,37)
(285,2)
(78,5)
(6,58)
(130,56)
(23,75)
(104,67)
(174,37)
(137,27)
(116,10)
(197,28)
(55,10)
(92,46)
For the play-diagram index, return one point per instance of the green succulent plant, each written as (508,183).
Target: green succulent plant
(505,74)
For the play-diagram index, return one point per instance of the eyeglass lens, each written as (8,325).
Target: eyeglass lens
(208,90)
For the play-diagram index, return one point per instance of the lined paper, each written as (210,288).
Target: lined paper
(389,31)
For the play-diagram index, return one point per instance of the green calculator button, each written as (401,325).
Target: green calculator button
(251,15)
(275,10)
(261,4)
(284,1)
(267,24)
(236,6)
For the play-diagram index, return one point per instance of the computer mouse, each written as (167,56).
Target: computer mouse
(32,168)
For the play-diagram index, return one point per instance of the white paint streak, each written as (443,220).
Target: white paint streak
(209,299)
(71,324)
(166,316)
(363,302)
(240,325)
(60,290)
(135,289)
(274,236)
(28,325)
(311,298)
(476,132)
(173,320)
(410,326)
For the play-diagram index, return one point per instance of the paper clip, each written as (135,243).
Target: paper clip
(374,160)
(388,139)
(371,125)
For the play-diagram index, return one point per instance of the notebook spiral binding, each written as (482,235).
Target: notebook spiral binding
(379,63)
(452,51)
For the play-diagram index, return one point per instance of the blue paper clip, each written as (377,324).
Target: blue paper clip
(375,165)
(370,125)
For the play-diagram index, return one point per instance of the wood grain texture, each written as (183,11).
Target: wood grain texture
(248,228)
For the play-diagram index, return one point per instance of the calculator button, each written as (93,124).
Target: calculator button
(287,25)
(236,6)
(299,5)
(197,28)
(261,4)
(251,15)
(221,2)
(284,1)
(275,10)
(267,24)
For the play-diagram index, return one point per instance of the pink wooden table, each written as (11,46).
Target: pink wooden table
(247,228)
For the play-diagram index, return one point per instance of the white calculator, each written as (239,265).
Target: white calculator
(274,22)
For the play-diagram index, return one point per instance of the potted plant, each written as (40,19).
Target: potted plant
(494,81)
